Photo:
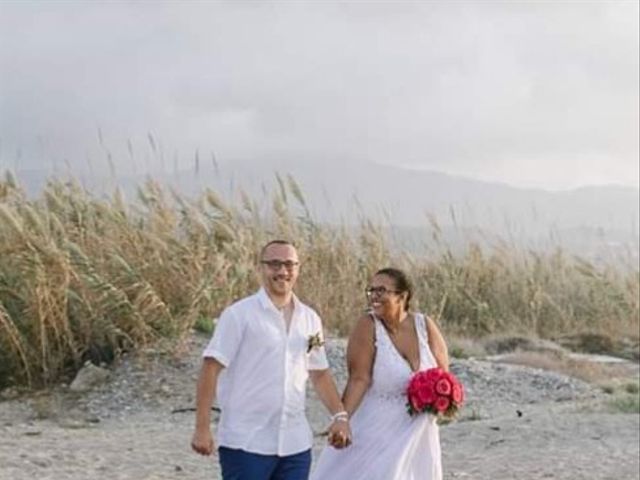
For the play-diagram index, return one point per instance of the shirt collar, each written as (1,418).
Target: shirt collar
(267,304)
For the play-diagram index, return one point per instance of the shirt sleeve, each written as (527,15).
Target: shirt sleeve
(226,338)
(318,355)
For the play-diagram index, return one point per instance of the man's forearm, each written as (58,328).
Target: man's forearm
(206,392)
(327,391)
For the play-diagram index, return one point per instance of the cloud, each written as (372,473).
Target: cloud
(530,93)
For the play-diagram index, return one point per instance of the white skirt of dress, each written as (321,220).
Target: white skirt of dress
(388,444)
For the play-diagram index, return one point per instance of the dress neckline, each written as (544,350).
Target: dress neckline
(405,360)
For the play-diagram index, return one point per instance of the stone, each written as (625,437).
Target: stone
(89,377)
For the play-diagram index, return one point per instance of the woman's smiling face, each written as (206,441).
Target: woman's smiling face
(383,297)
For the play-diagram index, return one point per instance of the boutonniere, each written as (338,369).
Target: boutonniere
(314,341)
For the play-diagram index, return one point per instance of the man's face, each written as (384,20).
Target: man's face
(279,269)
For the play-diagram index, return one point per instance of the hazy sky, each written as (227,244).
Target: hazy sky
(541,93)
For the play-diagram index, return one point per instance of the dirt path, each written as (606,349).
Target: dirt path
(567,446)
(125,429)
(570,446)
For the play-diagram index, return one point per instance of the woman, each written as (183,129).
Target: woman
(386,347)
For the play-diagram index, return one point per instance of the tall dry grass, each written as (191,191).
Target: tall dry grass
(86,278)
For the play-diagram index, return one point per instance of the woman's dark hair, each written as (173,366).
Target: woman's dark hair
(401,281)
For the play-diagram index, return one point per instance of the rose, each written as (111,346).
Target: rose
(418,379)
(416,404)
(427,395)
(443,386)
(457,394)
(434,391)
(441,404)
(417,382)
(433,374)
(416,401)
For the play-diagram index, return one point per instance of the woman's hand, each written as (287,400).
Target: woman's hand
(340,433)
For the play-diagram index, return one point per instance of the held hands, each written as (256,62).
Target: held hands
(202,442)
(339,431)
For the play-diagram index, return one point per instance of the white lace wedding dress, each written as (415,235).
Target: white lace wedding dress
(388,444)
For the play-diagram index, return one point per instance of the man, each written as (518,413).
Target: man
(264,348)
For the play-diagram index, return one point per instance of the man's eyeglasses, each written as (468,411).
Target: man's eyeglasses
(278,264)
(380,291)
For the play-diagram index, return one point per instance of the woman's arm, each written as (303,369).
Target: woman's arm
(437,344)
(360,354)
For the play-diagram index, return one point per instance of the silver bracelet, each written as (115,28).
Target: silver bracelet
(342,416)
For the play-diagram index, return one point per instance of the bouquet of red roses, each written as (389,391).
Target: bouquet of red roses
(434,391)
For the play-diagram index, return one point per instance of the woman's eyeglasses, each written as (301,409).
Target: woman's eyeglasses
(379,291)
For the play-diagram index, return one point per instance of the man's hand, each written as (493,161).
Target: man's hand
(202,441)
(339,430)
(339,434)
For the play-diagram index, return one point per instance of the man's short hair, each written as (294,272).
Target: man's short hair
(275,242)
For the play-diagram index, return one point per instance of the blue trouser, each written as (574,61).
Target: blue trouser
(241,465)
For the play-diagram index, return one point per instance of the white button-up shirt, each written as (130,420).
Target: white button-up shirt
(261,392)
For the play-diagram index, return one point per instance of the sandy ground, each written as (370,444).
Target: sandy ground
(126,429)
